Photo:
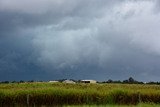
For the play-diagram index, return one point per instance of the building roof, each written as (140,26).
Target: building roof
(68,81)
(88,80)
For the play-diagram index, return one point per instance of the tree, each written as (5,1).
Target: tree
(109,81)
(131,80)
(21,81)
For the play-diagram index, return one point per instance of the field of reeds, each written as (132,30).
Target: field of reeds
(43,93)
(139,105)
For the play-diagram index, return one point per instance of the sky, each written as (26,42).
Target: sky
(79,39)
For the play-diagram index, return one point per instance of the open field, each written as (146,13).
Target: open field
(78,94)
(139,105)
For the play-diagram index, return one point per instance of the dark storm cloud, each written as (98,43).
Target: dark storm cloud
(157,6)
(79,39)
(39,13)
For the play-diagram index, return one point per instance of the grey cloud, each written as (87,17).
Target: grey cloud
(157,6)
(40,13)
(80,39)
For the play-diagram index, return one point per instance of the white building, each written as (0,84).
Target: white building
(69,81)
(53,81)
(88,81)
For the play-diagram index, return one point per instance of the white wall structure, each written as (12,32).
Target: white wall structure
(53,81)
(88,81)
(69,81)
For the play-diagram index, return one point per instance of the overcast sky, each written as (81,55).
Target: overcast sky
(79,39)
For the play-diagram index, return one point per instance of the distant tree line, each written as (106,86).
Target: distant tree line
(130,80)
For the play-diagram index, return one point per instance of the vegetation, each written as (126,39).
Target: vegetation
(130,80)
(43,93)
(139,105)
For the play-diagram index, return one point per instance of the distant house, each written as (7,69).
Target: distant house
(69,81)
(53,81)
(88,81)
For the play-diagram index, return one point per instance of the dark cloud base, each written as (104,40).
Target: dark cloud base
(49,40)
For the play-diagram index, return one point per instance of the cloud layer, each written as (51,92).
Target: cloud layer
(89,39)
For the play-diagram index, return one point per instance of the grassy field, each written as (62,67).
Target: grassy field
(139,105)
(78,94)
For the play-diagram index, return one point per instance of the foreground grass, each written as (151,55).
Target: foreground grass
(139,105)
(78,94)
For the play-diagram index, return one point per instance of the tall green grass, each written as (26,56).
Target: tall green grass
(139,105)
(77,94)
